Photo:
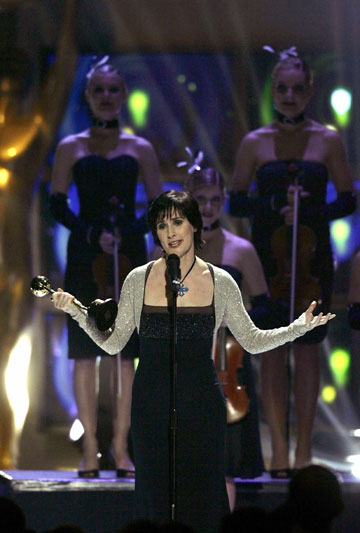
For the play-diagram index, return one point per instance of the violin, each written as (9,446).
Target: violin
(228,358)
(110,271)
(293,247)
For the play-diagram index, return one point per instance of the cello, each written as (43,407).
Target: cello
(228,359)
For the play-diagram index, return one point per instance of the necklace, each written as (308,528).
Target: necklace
(212,226)
(106,124)
(291,121)
(182,289)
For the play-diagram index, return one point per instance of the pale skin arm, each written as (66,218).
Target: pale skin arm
(337,163)
(150,170)
(63,162)
(354,290)
(245,164)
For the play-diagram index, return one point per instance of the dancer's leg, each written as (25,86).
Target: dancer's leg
(86,391)
(275,386)
(122,409)
(306,390)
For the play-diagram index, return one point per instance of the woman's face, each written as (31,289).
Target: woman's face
(211,202)
(105,95)
(291,92)
(176,234)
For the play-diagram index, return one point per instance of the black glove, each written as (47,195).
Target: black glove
(344,205)
(60,210)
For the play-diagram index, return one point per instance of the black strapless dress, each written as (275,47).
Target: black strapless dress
(201,490)
(98,180)
(243,456)
(273,178)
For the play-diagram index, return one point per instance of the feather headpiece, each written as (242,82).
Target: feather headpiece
(194,160)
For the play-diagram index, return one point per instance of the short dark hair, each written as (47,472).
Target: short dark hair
(181,202)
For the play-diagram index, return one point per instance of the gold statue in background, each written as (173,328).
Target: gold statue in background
(25,139)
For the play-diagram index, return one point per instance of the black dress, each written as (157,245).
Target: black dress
(273,179)
(243,456)
(98,181)
(201,490)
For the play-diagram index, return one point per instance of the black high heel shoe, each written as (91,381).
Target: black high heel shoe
(89,474)
(281,473)
(122,472)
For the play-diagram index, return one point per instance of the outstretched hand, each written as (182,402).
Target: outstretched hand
(319,320)
(62,299)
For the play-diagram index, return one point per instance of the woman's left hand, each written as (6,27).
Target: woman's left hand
(319,320)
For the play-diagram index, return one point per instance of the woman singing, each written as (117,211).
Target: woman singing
(210,296)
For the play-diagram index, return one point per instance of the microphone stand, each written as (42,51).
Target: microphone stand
(173,412)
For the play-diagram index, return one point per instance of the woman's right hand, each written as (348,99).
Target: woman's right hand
(288,210)
(62,300)
(291,193)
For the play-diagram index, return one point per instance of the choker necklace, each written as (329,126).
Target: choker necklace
(106,124)
(212,226)
(290,121)
(182,289)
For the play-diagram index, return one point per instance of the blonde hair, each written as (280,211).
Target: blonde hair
(103,66)
(288,60)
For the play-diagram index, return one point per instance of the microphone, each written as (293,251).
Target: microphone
(173,268)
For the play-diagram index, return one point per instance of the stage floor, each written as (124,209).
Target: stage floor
(103,505)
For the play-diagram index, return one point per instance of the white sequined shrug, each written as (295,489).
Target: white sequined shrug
(229,308)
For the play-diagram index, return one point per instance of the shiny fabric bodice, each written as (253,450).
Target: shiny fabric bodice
(274,176)
(195,327)
(98,180)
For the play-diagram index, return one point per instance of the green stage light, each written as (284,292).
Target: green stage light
(192,87)
(340,234)
(138,105)
(266,109)
(328,394)
(340,364)
(341,100)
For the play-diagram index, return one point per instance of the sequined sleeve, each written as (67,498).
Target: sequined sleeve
(251,338)
(115,338)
